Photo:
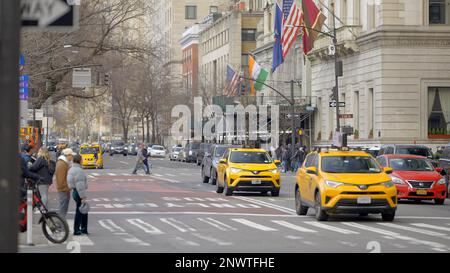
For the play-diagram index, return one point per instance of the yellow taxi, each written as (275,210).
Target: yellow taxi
(92,155)
(248,169)
(348,182)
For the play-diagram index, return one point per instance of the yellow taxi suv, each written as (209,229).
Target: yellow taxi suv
(344,182)
(242,169)
(92,155)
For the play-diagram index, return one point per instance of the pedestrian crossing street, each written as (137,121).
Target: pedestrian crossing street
(156,174)
(214,231)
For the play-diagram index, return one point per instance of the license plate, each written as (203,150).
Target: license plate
(256,182)
(364,200)
(422,192)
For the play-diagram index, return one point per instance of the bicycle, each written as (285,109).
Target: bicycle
(54,227)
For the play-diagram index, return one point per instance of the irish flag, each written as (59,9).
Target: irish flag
(258,74)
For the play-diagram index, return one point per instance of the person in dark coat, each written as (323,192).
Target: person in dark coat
(45,167)
(25,173)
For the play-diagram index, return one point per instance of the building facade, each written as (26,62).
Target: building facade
(396,71)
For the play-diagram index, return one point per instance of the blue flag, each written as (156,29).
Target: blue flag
(277,47)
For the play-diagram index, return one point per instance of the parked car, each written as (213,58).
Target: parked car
(409,149)
(211,160)
(190,152)
(174,153)
(444,163)
(204,148)
(118,147)
(92,155)
(415,177)
(132,149)
(51,146)
(157,151)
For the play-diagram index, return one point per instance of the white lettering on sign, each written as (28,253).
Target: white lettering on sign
(43,11)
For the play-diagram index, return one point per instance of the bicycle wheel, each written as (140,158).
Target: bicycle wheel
(55,228)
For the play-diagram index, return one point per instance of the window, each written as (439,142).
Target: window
(382,161)
(370,112)
(310,160)
(438,12)
(249,35)
(438,111)
(213,9)
(191,12)
(356,110)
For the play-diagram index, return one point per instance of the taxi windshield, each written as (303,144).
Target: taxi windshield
(250,157)
(411,164)
(88,150)
(349,164)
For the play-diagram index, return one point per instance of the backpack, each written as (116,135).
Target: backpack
(52,167)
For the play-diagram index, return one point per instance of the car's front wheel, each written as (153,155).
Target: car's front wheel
(275,193)
(388,216)
(219,188)
(321,215)
(439,201)
(299,207)
(213,177)
(227,190)
(205,178)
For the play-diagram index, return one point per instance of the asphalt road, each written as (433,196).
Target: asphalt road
(171,210)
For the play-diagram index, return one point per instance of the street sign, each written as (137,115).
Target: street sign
(48,13)
(23,87)
(333,104)
(346,116)
(37,115)
(81,78)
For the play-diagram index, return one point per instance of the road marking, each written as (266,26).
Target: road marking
(417,230)
(217,224)
(180,226)
(108,206)
(146,227)
(112,174)
(124,162)
(433,245)
(423,217)
(292,226)
(332,228)
(110,225)
(95,174)
(169,174)
(292,237)
(134,240)
(82,240)
(253,224)
(91,176)
(212,239)
(158,175)
(186,242)
(268,205)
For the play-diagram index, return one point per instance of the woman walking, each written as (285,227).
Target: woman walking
(44,167)
(77,181)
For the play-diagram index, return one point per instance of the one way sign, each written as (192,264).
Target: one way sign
(47,13)
(334,103)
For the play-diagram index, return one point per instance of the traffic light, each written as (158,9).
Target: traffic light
(107,79)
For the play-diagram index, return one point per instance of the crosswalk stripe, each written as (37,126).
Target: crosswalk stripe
(110,225)
(157,174)
(222,224)
(433,245)
(112,174)
(82,240)
(417,230)
(180,226)
(146,227)
(253,224)
(332,228)
(219,225)
(169,174)
(292,226)
(95,174)
(91,176)
(212,239)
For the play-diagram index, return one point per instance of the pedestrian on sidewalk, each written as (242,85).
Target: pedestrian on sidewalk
(146,155)
(140,160)
(45,167)
(77,180)
(62,168)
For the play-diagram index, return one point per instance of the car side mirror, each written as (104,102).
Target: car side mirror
(223,161)
(388,170)
(439,169)
(277,162)
(311,170)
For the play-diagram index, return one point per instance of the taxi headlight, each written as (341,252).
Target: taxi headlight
(388,184)
(333,184)
(397,180)
(275,171)
(441,181)
(235,170)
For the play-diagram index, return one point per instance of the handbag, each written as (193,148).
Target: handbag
(84,208)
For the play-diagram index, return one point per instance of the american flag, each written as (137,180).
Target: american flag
(292,20)
(233,81)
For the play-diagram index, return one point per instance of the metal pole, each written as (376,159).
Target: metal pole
(29,217)
(9,119)
(336,91)
(293,116)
